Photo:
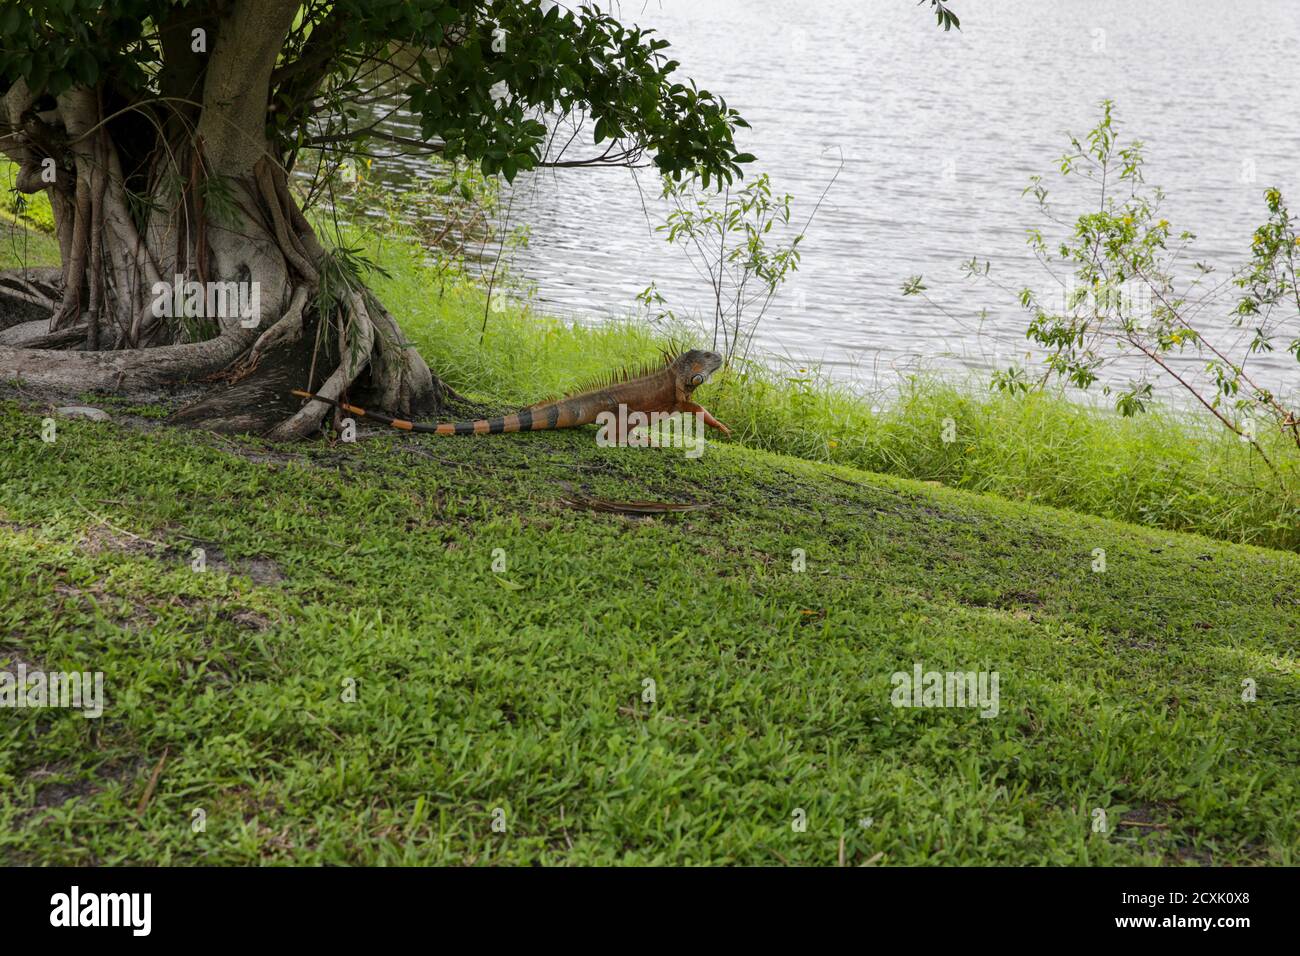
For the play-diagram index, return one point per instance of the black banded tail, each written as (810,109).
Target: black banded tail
(519,421)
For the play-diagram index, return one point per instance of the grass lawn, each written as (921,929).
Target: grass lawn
(518,696)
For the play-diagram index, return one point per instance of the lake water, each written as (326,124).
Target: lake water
(938,133)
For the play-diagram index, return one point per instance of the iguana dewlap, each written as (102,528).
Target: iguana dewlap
(665,389)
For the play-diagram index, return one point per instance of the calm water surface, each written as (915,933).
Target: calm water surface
(938,134)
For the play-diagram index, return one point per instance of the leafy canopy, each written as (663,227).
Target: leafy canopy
(481,75)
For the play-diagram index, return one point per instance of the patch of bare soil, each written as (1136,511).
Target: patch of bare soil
(262,571)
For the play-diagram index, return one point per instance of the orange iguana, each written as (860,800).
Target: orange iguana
(664,389)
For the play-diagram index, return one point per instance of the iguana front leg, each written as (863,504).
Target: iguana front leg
(709,420)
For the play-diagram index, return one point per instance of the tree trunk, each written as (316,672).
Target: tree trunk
(209,204)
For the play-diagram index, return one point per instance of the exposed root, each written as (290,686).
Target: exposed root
(22,333)
(124,370)
(403,380)
(98,185)
(286,330)
(36,335)
(356,340)
(34,288)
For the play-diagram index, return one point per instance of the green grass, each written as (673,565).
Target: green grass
(22,246)
(26,224)
(523,690)
(1162,469)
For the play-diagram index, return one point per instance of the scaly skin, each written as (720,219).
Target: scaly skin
(667,390)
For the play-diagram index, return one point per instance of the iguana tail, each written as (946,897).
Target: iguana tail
(551,415)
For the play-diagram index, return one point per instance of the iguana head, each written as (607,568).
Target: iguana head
(693,368)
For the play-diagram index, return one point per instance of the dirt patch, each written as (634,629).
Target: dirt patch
(68,782)
(1019,598)
(11,657)
(1159,828)
(57,794)
(263,454)
(99,538)
(138,617)
(1133,642)
(247,619)
(262,571)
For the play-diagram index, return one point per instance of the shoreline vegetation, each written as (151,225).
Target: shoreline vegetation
(1163,468)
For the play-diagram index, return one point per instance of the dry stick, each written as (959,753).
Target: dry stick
(1155,357)
(808,222)
(153,782)
(487,305)
(564,828)
(109,524)
(776,853)
(328,729)
(1210,345)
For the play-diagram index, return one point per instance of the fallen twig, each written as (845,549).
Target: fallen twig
(108,524)
(631,507)
(153,783)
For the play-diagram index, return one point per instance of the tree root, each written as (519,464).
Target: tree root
(25,291)
(287,329)
(37,335)
(356,340)
(124,370)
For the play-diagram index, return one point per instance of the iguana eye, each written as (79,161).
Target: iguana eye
(697,380)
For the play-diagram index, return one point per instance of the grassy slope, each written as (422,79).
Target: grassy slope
(522,690)
(1160,469)
(20,246)
(26,234)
